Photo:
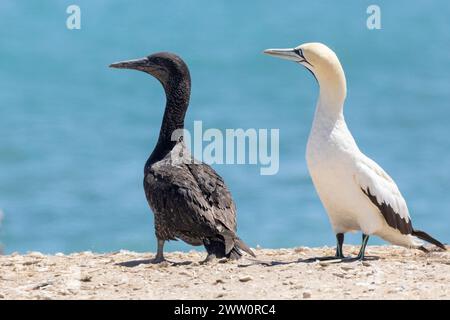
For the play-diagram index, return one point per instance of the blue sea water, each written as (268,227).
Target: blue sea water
(74,134)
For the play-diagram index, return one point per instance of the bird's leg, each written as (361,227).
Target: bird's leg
(160,253)
(365,239)
(339,253)
(360,256)
(339,244)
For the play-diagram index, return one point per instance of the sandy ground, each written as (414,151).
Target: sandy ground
(397,274)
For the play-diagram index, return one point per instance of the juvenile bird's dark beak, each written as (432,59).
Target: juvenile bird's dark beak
(138,64)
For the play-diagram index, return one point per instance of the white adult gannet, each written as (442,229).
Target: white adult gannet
(355,191)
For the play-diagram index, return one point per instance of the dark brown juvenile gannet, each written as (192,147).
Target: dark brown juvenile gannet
(190,201)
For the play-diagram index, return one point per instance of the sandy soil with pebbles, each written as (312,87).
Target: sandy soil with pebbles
(397,274)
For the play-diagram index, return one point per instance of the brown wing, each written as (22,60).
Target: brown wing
(216,193)
(191,199)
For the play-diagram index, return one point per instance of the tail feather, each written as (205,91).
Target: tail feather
(241,245)
(234,254)
(426,237)
(223,249)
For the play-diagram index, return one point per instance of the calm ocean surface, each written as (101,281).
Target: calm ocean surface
(74,134)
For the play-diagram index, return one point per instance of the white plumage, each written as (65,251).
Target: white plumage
(355,191)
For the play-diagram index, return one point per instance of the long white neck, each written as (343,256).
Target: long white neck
(333,90)
(329,123)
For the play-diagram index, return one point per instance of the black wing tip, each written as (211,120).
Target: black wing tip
(426,237)
(392,218)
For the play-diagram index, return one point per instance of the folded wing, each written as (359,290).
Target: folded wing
(382,191)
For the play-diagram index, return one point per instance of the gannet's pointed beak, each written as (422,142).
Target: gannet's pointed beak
(138,64)
(288,54)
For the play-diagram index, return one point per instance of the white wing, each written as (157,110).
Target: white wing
(384,194)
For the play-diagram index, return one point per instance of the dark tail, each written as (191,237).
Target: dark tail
(239,244)
(425,236)
(230,248)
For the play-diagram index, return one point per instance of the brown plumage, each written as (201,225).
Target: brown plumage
(190,201)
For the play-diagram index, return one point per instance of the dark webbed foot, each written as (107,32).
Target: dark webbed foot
(339,253)
(158,259)
(361,255)
(209,258)
(160,253)
(353,259)
(339,258)
(326,258)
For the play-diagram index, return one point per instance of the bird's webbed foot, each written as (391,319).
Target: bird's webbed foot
(361,255)
(360,258)
(339,253)
(326,258)
(353,259)
(209,258)
(158,259)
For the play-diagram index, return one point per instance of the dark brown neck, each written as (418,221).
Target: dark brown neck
(178,90)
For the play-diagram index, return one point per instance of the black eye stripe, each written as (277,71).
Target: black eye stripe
(299,52)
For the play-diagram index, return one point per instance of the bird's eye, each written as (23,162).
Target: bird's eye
(299,52)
